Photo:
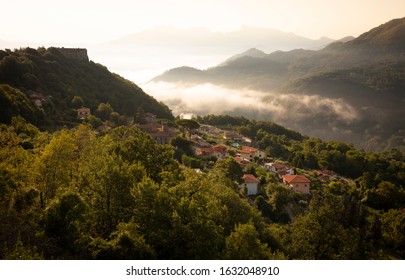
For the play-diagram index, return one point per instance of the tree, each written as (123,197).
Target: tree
(126,244)
(323,233)
(139,116)
(244,244)
(385,196)
(104,180)
(188,124)
(63,224)
(152,212)
(230,169)
(104,111)
(56,165)
(393,230)
(77,101)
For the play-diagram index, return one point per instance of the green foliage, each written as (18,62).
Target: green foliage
(14,102)
(189,125)
(104,110)
(127,243)
(327,231)
(244,244)
(182,147)
(65,84)
(77,101)
(230,169)
(393,230)
(191,161)
(81,194)
(63,220)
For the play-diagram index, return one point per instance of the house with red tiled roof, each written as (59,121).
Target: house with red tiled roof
(251,183)
(203,152)
(218,151)
(251,153)
(242,161)
(298,183)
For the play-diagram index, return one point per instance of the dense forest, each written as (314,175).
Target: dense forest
(82,194)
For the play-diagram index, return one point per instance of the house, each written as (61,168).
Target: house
(203,152)
(250,153)
(298,183)
(279,168)
(210,129)
(162,134)
(218,151)
(37,99)
(200,141)
(233,136)
(83,113)
(251,183)
(242,161)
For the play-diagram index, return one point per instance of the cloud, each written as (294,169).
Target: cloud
(283,108)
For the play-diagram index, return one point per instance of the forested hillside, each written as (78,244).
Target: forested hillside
(82,194)
(61,85)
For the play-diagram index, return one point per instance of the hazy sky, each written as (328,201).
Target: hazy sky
(80,21)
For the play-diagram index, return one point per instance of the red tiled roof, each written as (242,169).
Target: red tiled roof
(247,149)
(220,148)
(207,150)
(278,165)
(249,178)
(296,179)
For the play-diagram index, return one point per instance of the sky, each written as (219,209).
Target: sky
(91,22)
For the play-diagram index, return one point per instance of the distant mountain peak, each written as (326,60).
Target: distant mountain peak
(252,52)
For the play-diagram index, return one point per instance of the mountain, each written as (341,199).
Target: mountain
(253,52)
(386,42)
(388,37)
(203,40)
(41,85)
(364,76)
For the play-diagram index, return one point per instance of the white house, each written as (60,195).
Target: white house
(251,183)
(279,168)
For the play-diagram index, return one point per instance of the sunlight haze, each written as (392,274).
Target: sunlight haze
(85,22)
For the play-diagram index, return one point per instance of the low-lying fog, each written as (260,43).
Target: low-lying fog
(309,114)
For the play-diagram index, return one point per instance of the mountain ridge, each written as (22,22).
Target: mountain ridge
(367,73)
(202,38)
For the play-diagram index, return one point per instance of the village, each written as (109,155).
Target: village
(210,143)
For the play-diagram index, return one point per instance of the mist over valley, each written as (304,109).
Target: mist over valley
(351,90)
